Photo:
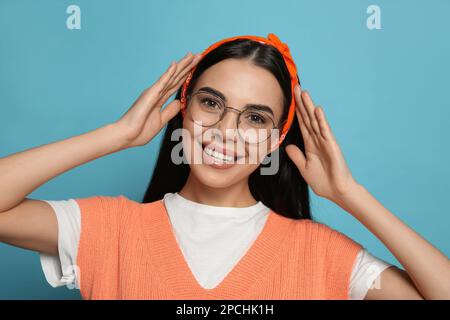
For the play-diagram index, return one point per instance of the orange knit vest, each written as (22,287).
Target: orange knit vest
(127,250)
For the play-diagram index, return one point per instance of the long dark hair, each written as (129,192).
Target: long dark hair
(285,192)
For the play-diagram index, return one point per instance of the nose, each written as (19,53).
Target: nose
(229,121)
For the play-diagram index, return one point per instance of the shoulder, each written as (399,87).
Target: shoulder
(98,201)
(105,203)
(105,209)
(324,235)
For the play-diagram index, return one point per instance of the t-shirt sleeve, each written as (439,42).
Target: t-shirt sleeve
(61,269)
(365,274)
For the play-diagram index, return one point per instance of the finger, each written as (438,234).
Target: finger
(308,103)
(170,111)
(305,118)
(188,68)
(184,72)
(316,112)
(168,73)
(188,64)
(298,100)
(155,90)
(163,86)
(324,126)
(182,68)
(170,92)
(297,157)
(151,94)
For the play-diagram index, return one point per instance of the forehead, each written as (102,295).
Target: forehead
(243,82)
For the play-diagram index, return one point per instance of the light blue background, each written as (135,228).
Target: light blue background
(385,93)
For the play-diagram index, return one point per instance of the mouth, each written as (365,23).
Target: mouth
(214,157)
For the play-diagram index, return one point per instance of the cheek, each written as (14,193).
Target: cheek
(194,135)
(257,153)
(194,132)
(190,138)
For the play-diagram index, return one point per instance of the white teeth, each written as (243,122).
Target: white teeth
(218,155)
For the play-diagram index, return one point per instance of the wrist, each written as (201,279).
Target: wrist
(118,135)
(346,196)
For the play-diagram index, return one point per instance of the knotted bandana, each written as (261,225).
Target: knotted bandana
(272,40)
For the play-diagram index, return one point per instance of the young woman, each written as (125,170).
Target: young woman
(220,228)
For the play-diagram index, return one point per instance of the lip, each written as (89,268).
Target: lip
(212,162)
(221,150)
(215,163)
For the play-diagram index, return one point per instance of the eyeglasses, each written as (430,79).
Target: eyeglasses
(254,125)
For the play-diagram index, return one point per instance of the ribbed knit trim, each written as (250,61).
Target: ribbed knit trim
(174,270)
(123,242)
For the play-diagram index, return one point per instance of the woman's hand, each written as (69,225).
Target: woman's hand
(324,167)
(427,270)
(145,118)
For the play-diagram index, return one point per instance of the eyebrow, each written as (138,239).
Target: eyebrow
(256,106)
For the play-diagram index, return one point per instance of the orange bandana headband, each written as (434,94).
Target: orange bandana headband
(272,40)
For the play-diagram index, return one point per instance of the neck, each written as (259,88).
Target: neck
(237,195)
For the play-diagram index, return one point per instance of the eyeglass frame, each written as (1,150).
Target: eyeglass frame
(239,113)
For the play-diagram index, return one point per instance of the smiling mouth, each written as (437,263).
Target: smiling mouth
(209,150)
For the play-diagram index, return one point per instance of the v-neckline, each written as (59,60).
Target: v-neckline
(170,262)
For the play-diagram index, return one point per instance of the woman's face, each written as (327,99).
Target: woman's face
(240,83)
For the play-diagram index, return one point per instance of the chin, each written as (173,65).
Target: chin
(221,178)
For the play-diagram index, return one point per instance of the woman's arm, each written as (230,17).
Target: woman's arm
(426,266)
(23,172)
(325,170)
(30,223)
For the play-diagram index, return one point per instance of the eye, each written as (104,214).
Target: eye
(209,103)
(256,118)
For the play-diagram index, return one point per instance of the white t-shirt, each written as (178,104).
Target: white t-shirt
(212,239)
